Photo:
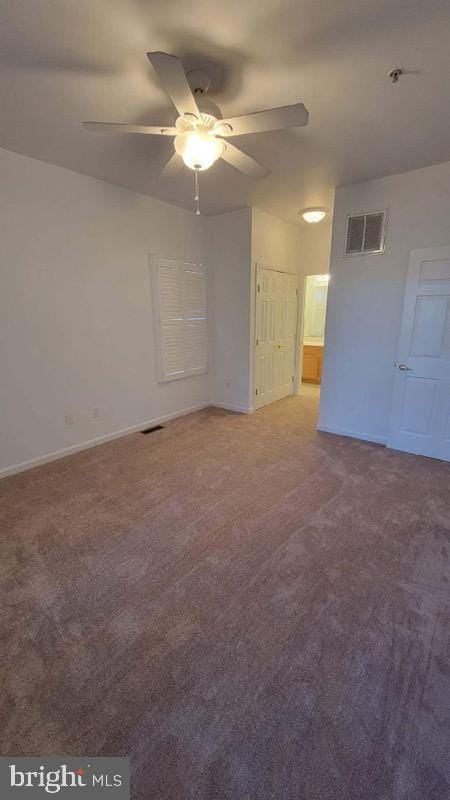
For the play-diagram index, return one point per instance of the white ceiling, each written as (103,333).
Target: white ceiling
(64,61)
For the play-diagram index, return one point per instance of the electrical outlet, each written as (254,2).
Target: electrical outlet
(96,413)
(227,384)
(68,419)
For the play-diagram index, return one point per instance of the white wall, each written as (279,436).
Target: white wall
(76,327)
(228,250)
(276,243)
(365,297)
(292,248)
(316,246)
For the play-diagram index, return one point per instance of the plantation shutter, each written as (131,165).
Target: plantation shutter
(181,313)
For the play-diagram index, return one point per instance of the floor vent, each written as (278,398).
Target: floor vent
(152,430)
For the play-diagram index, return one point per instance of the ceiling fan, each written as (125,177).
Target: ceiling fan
(200,129)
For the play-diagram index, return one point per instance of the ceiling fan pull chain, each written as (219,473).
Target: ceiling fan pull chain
(196,193)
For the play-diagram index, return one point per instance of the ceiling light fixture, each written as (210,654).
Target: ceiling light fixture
(199,148)
(313,214)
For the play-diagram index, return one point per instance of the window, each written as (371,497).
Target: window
(179,295)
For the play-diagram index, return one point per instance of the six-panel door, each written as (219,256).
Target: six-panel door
(420,415)
(276,328)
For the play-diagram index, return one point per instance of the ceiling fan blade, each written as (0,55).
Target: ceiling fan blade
(173,77)
(232,155)
(117,127)
(273,119)
(173,167)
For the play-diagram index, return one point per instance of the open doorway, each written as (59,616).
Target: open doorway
(314,314)
(289,334)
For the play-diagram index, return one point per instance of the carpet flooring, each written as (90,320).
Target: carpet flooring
(249,609)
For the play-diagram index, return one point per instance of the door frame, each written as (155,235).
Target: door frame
(301,281)
(301,330)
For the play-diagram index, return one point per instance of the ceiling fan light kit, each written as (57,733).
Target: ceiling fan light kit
(199,129)
(198,148)
(197,143)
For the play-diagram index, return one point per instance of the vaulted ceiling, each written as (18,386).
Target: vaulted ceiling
(64,61)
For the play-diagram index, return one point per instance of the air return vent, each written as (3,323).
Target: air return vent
(152,430)
(365,233)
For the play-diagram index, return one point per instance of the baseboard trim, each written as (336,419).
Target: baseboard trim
(365,437)
(231,407)
(108,437)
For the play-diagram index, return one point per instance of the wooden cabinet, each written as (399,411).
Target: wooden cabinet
(312,363)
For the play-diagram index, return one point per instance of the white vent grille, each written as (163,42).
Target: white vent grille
(181,316)
(365,233)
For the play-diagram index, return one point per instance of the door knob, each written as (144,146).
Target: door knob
(404,368)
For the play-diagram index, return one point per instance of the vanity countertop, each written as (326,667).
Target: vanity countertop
(314,342)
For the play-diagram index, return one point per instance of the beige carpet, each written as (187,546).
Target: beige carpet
(248,608)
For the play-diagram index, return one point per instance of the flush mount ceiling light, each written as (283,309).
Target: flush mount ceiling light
(313,214)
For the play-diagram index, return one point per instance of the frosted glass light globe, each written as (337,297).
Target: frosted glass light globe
(199,149)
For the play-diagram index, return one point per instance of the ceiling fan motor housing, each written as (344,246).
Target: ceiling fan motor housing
(210,114)
(208,109)
(199,81)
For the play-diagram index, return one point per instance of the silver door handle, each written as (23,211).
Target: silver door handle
(404,368)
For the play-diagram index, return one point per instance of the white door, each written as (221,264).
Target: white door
(420,414)
(276,329)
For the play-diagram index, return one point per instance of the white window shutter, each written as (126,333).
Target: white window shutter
(181,312)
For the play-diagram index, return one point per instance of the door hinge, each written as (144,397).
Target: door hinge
(256,391)
(296,291)
(292,379)
(259,288)
(257,341)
